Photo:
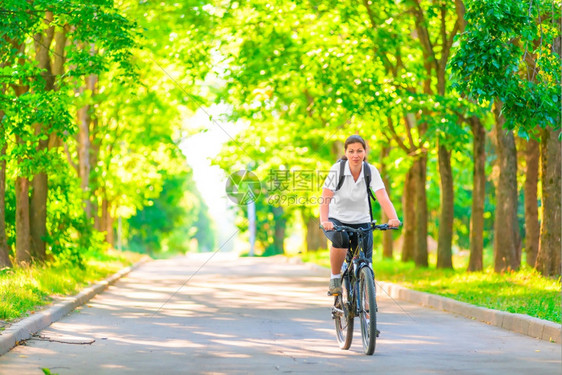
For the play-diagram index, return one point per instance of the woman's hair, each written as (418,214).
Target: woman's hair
(354,139)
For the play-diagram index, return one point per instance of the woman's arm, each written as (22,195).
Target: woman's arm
(327,196)
(388,208)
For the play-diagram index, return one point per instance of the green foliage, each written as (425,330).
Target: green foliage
(170,221)
(134,115)
(507,54)
(301,76)
(37,104)
(70,232)
(304,76)
(24,290)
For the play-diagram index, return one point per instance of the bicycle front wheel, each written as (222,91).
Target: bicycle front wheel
(343,318)
(368,310)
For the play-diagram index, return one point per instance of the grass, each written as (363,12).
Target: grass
(523,292)
(24,290)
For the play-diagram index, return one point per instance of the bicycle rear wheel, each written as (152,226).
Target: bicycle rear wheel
(343,317)
(368,310)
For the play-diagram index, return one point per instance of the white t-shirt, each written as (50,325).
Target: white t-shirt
(349,204)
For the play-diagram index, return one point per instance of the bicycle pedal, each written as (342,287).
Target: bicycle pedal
(332,294)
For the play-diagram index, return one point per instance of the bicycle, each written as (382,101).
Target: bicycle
(358,294)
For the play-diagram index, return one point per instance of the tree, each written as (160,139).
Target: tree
(548,258)
(506,56)
(51,65)
(13,87)
(506,238)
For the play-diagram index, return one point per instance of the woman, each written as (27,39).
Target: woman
(348,205)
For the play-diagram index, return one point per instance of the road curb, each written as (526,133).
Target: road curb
(520,323)
(27,327)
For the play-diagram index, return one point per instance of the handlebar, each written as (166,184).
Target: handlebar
(344,228)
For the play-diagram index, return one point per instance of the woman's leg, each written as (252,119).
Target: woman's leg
(338,251)
(337,256)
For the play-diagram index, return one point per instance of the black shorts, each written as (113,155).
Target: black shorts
(342,240)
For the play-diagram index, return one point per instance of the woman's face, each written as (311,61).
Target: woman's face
(355,153)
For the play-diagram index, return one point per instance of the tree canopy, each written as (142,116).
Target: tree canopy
(96,98)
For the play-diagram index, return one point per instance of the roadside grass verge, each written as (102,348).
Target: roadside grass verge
(23,290)
(523,292)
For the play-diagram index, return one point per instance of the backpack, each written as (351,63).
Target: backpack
(366,175)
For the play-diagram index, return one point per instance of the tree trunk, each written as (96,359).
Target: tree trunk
(96,189)
(38,216)
(447,216)
(4,249)
(106,220)
(39,182)
(279,235)
(548,258)
(387,239)
(338,149)
(108,228)
(505,229)
(532,227)
(315,239)
(100,222)
(23,238)
(23,244)
(84,151)
(445,240)
(408,206)
(475,262)
(420,252)
(83,155)
(38,205)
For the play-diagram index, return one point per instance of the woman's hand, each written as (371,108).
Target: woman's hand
(394,223)
(328,225)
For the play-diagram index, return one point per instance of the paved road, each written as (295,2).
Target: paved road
(260,316)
